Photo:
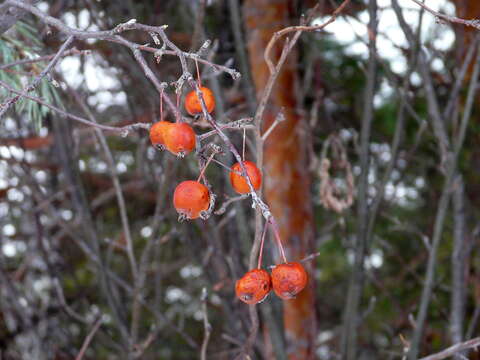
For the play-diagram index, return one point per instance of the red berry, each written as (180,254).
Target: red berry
(239,183)
(254,286)
(289,279)
(179,138)
(191,198)
(192,102)
(157,133)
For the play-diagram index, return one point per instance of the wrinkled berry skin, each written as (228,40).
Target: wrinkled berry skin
(239,183)
(192,102)
(289,279)
(191,198)
(157,133)
(254,286)
(179,138)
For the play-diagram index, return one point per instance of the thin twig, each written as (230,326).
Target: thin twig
(451,161)
(89,338)
(215,151)
(123,130)
(207,328)
(459,263)
(224,206)
(234,125)
(454,349)
(349,331)
(123,216)
(278,119)
(475,23)
(241,50)
(460,78)
(4,107)
(298,29)
(73,51)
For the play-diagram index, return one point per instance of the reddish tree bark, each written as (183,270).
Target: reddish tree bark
(287,181)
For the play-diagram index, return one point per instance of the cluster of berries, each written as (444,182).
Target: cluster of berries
(287,280)
(192,200)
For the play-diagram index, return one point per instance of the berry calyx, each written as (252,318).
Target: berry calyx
(157,133)
(239,183)
(191,199)
(192,101)
(179,139)
(289,279)
(254,286)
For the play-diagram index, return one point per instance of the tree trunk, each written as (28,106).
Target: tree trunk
(287,181)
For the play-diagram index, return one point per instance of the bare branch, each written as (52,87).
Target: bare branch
(4,107)
(70,52)
(355,288)
(124,130)
(454,349)
(278,119)
(224,206)
(475,23)
(207,328)
(298,30)
(89,338)
(441,214)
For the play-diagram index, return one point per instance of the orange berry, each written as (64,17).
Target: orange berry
(289,279)
(179,138)
(254,286)
(239,183)
(157,133)
(192,102)
(191,198)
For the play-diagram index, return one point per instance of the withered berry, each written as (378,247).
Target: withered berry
(254,286)
(289,279)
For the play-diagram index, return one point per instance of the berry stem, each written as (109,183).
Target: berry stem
(260,255)
(199,80)
(277,238)
(243,148)
(223,165)
(205,166)
(161,104)
(178,106)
